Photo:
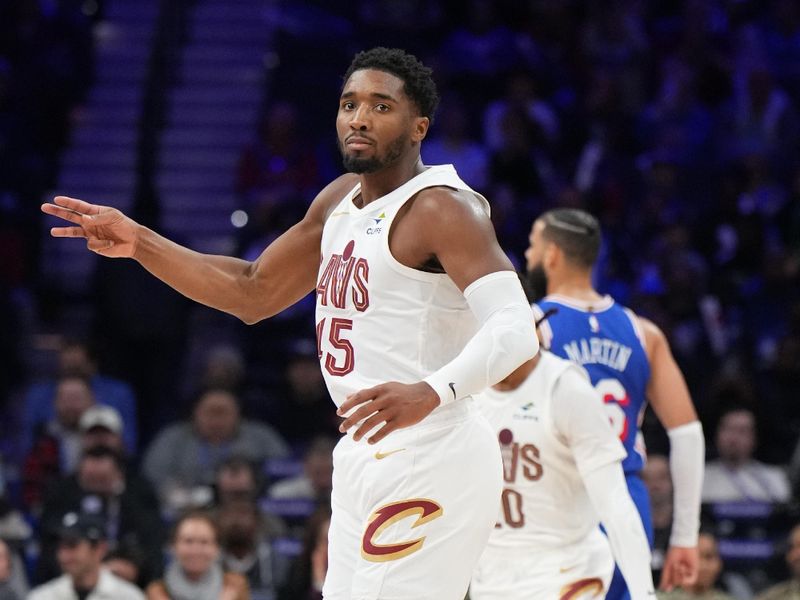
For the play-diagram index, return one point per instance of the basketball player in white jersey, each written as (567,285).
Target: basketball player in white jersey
(562,469)
(418,308)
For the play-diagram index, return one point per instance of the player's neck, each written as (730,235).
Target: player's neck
(573,284)
(379,184)
(517,377)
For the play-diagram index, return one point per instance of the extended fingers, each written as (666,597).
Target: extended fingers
(70,232)
(78,206)
(358,415)
(353,400)
(388,428)
(369,425)
(62,213)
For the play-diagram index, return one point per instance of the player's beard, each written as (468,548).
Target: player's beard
(354,164)
(537,282)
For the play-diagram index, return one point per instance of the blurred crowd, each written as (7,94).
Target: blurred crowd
(675,122)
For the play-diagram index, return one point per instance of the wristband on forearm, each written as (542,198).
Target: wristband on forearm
(686,465)
(505,340)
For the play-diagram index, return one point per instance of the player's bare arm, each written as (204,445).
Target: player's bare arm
(285,272)
(440,227)
(672,403)
(667,391)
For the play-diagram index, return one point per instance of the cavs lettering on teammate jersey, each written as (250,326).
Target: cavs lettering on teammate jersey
(551,429)
(604,338)
(366,298)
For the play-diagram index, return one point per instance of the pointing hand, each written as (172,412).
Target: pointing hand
(107,231)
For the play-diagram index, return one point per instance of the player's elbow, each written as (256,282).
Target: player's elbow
(527,341)
(255,312)
(249,318)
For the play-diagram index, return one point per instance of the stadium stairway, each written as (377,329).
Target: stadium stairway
(211,115)
(100,160)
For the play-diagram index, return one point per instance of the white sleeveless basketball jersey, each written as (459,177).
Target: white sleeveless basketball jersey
(544,502)
(378,320)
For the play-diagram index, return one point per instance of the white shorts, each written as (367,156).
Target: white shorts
(412,514)
(579,571)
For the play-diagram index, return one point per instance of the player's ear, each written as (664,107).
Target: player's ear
(552,256)
(421,125)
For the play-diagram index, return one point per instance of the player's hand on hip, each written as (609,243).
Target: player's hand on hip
(680,568)
(106,230)
(395,404)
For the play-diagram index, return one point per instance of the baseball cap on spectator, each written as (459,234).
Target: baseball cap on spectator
(105,417)
(76,527)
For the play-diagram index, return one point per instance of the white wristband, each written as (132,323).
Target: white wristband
(686,465)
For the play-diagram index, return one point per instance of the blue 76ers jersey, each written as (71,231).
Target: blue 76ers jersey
(606,339)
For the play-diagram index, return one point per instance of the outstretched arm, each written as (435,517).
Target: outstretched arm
(451,228)
(669,396)
(285,272)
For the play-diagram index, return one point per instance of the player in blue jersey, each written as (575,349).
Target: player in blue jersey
(630,363)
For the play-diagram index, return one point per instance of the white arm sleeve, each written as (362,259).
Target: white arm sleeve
(609,494)
(505,340)
(686,462)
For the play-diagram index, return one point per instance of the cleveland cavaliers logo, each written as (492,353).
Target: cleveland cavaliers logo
(425,510)
(583,588)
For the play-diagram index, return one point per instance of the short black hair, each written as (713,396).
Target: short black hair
(576,232)
(417,79)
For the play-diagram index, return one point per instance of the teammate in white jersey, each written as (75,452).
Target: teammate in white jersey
(562,470)
(417,309)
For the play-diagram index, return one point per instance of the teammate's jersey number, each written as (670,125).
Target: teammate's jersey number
(512,509)
(615,398)
(344,362)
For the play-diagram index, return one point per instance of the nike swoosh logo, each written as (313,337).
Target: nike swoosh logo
(565,569)
(453,389)
(381,455)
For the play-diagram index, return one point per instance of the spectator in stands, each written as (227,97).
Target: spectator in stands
(184,457)
(453,144)
(195,572)
(10,588)
(316,480)
(223,367)
(102,426)
(126,561)
(307,572)
(709,569)
(789,589)
(98,426)
(303,392)
(247,548)
(278,165)
(81,547)
(239,480)
(735,475)
(656,477)
(57,445)
(77,358)
(15,533)
(102,487)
